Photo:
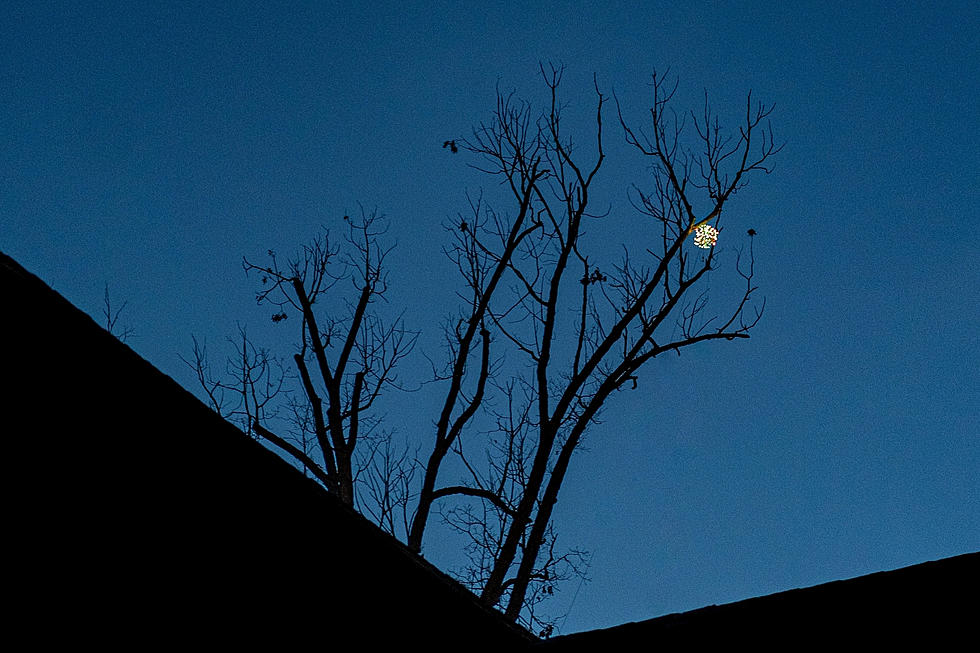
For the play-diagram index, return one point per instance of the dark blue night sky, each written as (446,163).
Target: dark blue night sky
(150,148)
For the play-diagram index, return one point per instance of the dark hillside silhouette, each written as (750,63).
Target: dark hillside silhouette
(139,516)
(120,533)
(933,602)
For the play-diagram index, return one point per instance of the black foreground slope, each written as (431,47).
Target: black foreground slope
(930,604)
(137,516)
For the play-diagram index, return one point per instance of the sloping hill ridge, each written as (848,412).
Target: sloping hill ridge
(136,517)
(930,604)
(139,517)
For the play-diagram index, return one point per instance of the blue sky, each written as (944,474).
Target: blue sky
(151,148)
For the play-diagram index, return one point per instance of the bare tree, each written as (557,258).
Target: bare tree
(547,332)
(367,348)
(525,273)
(112,318)
(245,393)
(333,418)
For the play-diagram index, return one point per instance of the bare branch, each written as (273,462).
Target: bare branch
(111,318)
(288,447)
(474,492)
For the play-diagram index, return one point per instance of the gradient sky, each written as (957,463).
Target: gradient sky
(150,148)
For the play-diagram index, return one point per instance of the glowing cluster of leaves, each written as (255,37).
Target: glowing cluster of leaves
(705,236)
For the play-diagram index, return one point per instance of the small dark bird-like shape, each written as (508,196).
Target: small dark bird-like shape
(751,232)
(463,226)
(451,145)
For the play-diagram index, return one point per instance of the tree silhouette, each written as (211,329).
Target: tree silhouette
(368,348)
(333,416)
(112,318)
(525,270)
